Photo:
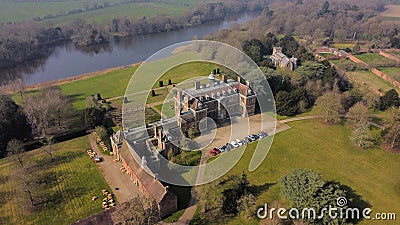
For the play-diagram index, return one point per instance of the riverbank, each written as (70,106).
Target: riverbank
(68,59)
(8,89)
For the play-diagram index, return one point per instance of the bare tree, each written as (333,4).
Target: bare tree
(16,150)
(358,114)
(50,109)
(137,211)
(49,147)
(20,87)
(392,135)
(330,106)
(247,205)
(26,185)
(210,201)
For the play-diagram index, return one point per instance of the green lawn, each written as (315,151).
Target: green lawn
(370,79)
(77,179)
(114,83)
(393,72)
(167,109)
(151,115)
(342,45)
(187,71)
(328,151)
(109,85)
(26,10)
(372,58)
(137,10)
(326,54)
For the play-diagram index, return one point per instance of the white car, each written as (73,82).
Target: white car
(234,144)
(239,142)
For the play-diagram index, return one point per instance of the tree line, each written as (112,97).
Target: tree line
(320,22)
(29,40)
(45,117)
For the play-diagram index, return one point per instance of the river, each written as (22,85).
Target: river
(68,60)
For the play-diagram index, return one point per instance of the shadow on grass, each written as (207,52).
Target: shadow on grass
(259,189)
(5,196)
(56,198)
(77,97)
(354,200)
(46,162)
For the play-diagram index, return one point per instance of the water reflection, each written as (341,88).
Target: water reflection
(68,60)
(22,71)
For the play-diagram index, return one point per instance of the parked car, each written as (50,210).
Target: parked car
(222,148)
(214,152)
(239,142)
(96,159)
(252,137)
(262,134)
(234,144)
(228,147)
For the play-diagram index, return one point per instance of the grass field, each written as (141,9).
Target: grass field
(342,45)
(372,174)
(393,72)
(77,179)
(392,11)
(111,84)
(188,70)
(372,58)
(16,11)
(151,115)
(114,83)
(138,10)
(371,80)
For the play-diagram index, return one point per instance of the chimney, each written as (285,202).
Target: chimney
(224,78)
(239,79)
(196,84)
(155,130)
(144,162)
(179,95)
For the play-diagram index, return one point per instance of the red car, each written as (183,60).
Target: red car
(214,152)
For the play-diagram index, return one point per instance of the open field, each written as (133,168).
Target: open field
(187,71)
(393,72)
(372,58)
(16,11)
(73,179)
(111,84)
(342,45)
(367,77)
(392,11)
(369,173)
(137,10)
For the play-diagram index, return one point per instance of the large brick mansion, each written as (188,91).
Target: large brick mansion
(221,100)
